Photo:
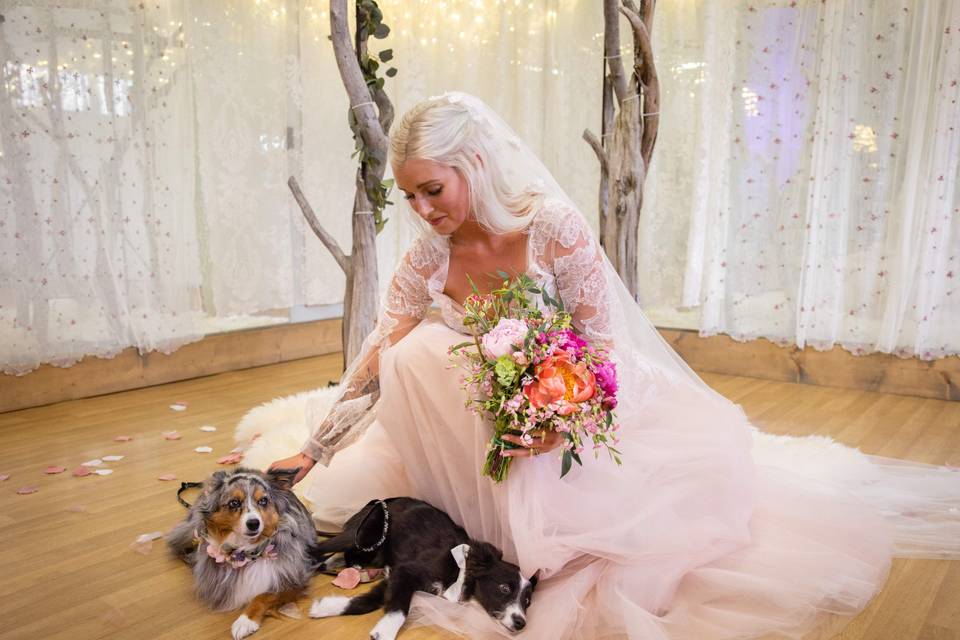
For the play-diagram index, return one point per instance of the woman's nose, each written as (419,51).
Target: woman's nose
(421,206)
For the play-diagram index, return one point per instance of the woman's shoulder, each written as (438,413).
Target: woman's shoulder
(558,219)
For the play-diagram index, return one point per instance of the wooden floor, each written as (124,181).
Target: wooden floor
(70,572)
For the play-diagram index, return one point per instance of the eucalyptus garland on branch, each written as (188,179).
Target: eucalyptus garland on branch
(370,117)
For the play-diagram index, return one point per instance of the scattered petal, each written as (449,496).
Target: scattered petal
(167,476)
(50,471)
(233,458)
(82,471)
(208,428)
(373,573)
(348,578)
(171,435)
(113,458)
(103,472)
(123,439)
(203,449)
(237,450)
(3,477)
(96,462)
(179,406)
(23,491)
(115,617)
(291,610)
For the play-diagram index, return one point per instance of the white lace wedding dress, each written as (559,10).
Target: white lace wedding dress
(689,539)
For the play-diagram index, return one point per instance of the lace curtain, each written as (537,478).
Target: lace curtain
(805,184)
(146,147)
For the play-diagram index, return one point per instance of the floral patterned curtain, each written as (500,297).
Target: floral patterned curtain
(806,178)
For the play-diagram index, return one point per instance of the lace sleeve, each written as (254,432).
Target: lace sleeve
(576,260)
(407,300)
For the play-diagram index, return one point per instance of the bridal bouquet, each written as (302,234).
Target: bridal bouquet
(531,371)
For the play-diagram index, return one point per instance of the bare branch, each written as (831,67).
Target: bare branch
(646,73)
(597,147)
(360,98)
(611,48)
(329,241)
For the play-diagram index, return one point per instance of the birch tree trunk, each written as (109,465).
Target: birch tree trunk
(629,133)
(371,115)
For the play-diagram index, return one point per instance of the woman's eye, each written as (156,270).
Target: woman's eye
(435,192)
(234,504)
(408,196)
(263,501)
(504,588)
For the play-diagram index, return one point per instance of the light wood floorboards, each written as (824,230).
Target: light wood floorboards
(69,572)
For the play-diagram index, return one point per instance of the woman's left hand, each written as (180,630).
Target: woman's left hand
(541,441)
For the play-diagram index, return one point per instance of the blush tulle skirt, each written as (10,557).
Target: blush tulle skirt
(709,530)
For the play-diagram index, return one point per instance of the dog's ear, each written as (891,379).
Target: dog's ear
(534,579)
(282,479)
(482,557)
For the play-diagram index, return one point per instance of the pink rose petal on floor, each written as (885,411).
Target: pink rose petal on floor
(123,439)
(144,542)
(50,471)
(103,472)
(204,449)
(179,406)
(291,610)
(167,476)
(171,435)
(233,458)
(3,477)
(96,462)
(115,617)
(82,471)
(208,428)
(23,491)
(348,578)
(112,458)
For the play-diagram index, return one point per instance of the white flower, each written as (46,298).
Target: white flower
(503,338)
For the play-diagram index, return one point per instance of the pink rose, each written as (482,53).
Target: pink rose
(503,338)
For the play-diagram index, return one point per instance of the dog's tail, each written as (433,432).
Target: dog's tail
(320,552)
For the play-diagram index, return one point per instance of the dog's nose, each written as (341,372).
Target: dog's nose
(518,622)
(253,524)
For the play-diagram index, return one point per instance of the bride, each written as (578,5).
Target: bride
(693,537)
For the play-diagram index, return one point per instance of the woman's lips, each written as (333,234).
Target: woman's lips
(437,221)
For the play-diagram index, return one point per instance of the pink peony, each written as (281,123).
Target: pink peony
(504,338)
(562,382)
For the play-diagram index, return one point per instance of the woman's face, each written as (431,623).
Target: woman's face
(436,192)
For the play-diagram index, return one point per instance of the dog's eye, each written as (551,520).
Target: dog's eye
(263,501)
(505,589)
(234,504)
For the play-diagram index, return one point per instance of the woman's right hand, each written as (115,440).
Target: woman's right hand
(301,460)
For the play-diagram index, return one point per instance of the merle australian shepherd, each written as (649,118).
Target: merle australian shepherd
(247,538)
(422,550)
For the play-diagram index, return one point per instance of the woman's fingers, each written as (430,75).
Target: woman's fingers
(536,443)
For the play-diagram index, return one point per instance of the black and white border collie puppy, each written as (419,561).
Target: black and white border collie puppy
(247,538)
(422,550)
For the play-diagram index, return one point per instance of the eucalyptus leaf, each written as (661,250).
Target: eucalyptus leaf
(567,463)
(391,72)
(386,55)
(382,31)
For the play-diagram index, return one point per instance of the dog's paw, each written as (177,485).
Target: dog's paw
(388,627)
(329,606)
(243,627)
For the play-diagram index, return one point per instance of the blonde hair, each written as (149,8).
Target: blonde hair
(450,131)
